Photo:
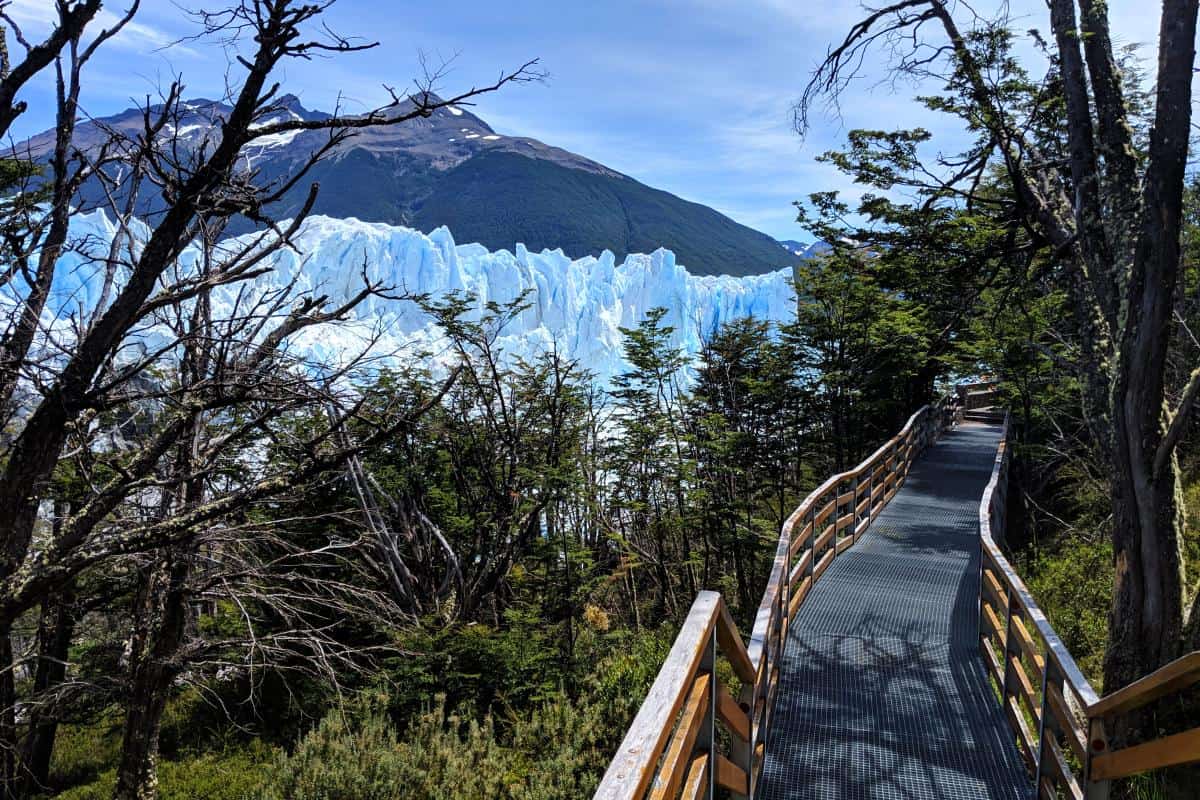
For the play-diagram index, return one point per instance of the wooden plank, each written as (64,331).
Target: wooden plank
(845,521)
(1058,763)
(823,564)
(861,508)
(989,657)
(844,545)
(800,539)
(825,513)
(770,600)
(862,528)
(800,568)
(1179,674)
(1016,721)
(993,622)
(992,599)
(695,785)
(1169,751)
(991,563)
(1026,643)
(823,539)
(679,752)
(993,586)
(877,509)
(1066,720)
(844,498)
(732,715)
(799,595)
(632,768)
(1025,688)
(729,641)
(732,777)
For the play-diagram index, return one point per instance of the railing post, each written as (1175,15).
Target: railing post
(1097,743)
(1046,719)
(1008,648)
(854,510)
(979,629)
(706,740)
(743,752)
(892,475)
(871,492)
(812,541)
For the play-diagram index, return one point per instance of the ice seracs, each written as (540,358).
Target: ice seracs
(576,306)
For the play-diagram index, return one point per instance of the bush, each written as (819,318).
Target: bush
(552,754)
(83,752)
(1191,535)
(1073,585)
(555,750)
(231,775)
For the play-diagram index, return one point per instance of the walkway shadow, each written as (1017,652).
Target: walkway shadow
(884,694)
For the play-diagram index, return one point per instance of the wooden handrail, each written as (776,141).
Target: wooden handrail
(686,682)
(664,749)
(1065,706)
(1174,677)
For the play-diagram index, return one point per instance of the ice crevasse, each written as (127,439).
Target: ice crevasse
(577,306)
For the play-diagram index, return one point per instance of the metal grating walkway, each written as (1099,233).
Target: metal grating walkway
(883,693)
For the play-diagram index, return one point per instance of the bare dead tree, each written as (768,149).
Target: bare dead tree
(204,386)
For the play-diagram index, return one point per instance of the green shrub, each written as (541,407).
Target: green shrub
(1191,535)
(83,752)
(356,755)
(1073,585)
(552,754)
(555,749)
(231,775)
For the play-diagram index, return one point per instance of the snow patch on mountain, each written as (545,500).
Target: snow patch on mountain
(576,306)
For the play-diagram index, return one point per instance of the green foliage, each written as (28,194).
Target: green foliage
(236,774)
(475,664)
(553,749)
(551,753)
(1073,585)
(1191,534)
(83,752)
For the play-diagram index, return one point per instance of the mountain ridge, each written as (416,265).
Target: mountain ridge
(453,169)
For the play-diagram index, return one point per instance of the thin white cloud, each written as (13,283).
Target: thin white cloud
(37,17)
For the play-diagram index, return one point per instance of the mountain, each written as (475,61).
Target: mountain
(804,250)
(575,305)
(452,169)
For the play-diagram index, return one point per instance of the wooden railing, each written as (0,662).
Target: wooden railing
(1057,718)
(977,395)
(672,748)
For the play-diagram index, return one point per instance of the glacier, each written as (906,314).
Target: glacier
(576,306)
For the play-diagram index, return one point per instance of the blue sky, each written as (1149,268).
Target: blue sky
(691,96)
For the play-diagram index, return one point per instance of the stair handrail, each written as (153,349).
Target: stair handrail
(1066,709)
(672,745)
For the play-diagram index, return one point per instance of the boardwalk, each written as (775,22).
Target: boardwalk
(883,691)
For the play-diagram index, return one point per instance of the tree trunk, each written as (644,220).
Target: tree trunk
(1145,627)
(8,715)
(55,631)
(153,667)
(1145,622)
